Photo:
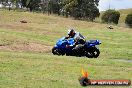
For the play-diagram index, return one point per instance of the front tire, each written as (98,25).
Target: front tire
(55,51)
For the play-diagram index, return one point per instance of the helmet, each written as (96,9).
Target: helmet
(71,32)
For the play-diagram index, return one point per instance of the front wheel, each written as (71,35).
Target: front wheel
(56,51)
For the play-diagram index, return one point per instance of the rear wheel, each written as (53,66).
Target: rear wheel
(96,52)
(92,53)
(89,54)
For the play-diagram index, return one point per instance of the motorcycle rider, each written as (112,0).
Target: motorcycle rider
(78,38)
(73,34)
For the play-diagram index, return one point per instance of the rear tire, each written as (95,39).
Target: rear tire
(89,54)
(92,52)
(96,52)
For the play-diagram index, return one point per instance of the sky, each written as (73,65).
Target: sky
(114,4)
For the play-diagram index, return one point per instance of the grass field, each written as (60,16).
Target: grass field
(26,60)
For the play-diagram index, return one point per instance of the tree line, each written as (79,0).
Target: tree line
(79,9)
(113,16)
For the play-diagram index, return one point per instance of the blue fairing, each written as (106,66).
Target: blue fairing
(63,41)
(61,44)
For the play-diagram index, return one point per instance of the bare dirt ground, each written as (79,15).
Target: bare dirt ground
(28,47)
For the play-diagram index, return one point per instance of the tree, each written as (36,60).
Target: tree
(50,6)
(6,3)
(16,2)
(54,6)
(128,20)
(24,3)
(110,16)
(31,4)
(44,5)
(82,9)
(2,1)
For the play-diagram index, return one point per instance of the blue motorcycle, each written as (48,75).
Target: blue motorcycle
(66,46)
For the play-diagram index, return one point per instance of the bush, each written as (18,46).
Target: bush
(110,16)
(128,20)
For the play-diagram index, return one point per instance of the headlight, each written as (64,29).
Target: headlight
(99,42)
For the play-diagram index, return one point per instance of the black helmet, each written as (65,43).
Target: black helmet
(71,32)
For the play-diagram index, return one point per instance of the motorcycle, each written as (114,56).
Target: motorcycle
(65,46)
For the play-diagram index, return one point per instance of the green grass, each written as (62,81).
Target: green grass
(38,70)
(21,67)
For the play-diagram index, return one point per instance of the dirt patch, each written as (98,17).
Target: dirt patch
(27,47)
(15,26)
